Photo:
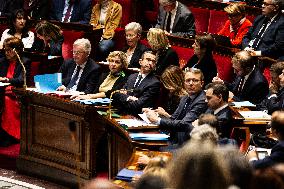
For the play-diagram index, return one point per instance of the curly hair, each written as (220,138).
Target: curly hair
(122,56)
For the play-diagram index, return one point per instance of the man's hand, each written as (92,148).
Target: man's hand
(162,112)
(195,123)
(123,91)
(80,97)
(252,155)
(217,79)
(152,116)
(4,79)
(143,159)
(61,88)
(132,98)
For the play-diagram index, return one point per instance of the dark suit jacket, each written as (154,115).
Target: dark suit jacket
(89,78)
(182,118)
(139,50)
(183,24)
(38,10)
(276,156)
(272,42)
(225,119)
(206,65)
(17,79)
(166,57)
(147,93)
(81,11)
(274,103)
(254,90)
(55,48)
(119,83)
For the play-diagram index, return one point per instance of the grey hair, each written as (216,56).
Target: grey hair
(166,2)
(204,133)
(134,26)
(85,43)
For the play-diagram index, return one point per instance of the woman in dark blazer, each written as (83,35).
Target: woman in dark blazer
(10,72)
(111,81)
(203,58)
(159,43)
(134,49)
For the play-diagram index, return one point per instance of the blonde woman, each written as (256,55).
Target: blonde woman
(159,43)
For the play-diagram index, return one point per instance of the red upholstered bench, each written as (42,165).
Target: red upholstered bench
(201,17)
(224,67)
(69,37)
(184,54)
(217,20)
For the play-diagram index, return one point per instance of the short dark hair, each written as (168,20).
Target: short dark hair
(208,119)
(14,43)
(206,41)
(219,89)
(148,52)
(277,122)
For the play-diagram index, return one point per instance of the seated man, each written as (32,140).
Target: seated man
(266,36)
(250,84)
(275,100)
(80,73)
(277,152)
(217,100)
(175,18)
(189,109)
(141,89)
(71,11)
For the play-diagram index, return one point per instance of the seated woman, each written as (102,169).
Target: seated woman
(134,49)
(173,82)
(114,80)
(159,43)
(106,14)
(49,39)
(18,27)
(203,58)
(10,72)
(238,25)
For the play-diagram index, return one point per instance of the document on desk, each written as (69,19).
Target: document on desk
(127,175)
(133,122)
(97,101)
(48,83)
(4,84)
(255,115)
(243,104)
(149,136)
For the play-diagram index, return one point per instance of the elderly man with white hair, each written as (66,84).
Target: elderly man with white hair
(80,73)
(175,18)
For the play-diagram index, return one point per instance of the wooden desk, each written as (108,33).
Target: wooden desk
(66,141)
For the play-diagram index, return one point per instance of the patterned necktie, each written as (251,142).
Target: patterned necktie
(68,12)
(74,78)
(138,81)
(260,34)
(168,26)
(240,86)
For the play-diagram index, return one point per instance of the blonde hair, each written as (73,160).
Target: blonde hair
(47,29)
(236,9)
(122,56)
(157,39)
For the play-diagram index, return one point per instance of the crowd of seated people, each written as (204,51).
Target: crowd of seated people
(185,98)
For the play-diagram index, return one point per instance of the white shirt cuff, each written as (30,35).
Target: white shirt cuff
(253,159)
(257,53)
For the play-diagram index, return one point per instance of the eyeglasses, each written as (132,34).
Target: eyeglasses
(77,52)
(188,81)
(130,36)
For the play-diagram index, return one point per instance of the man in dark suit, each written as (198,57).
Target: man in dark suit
(217,100)
(250,84)
(189,109)
(175,18)
(277,152)
(80,73)
(71,11)
(37,9)
(266,36)
(145,86)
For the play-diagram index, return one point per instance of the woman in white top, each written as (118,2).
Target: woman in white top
(18,28)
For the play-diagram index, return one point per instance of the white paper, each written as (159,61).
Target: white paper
(257,115)
(244,104)
(4,84)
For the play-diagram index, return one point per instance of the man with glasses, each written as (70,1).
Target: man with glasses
(266,36)
(175,18)
(80,73)
(190,108)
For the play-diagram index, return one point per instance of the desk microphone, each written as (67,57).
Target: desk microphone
(24,69)
(120,90)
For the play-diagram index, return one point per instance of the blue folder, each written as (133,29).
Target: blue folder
(48,82)
(127,175)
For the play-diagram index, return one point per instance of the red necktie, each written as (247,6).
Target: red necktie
(68,12)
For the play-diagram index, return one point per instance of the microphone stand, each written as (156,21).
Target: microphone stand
(110,98)
(24,69)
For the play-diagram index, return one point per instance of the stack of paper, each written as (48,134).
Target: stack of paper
(255,115)
(243,104)
(97,101)
(149,136)
(127,175)
(48,83)
(4,84)
(133,122)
